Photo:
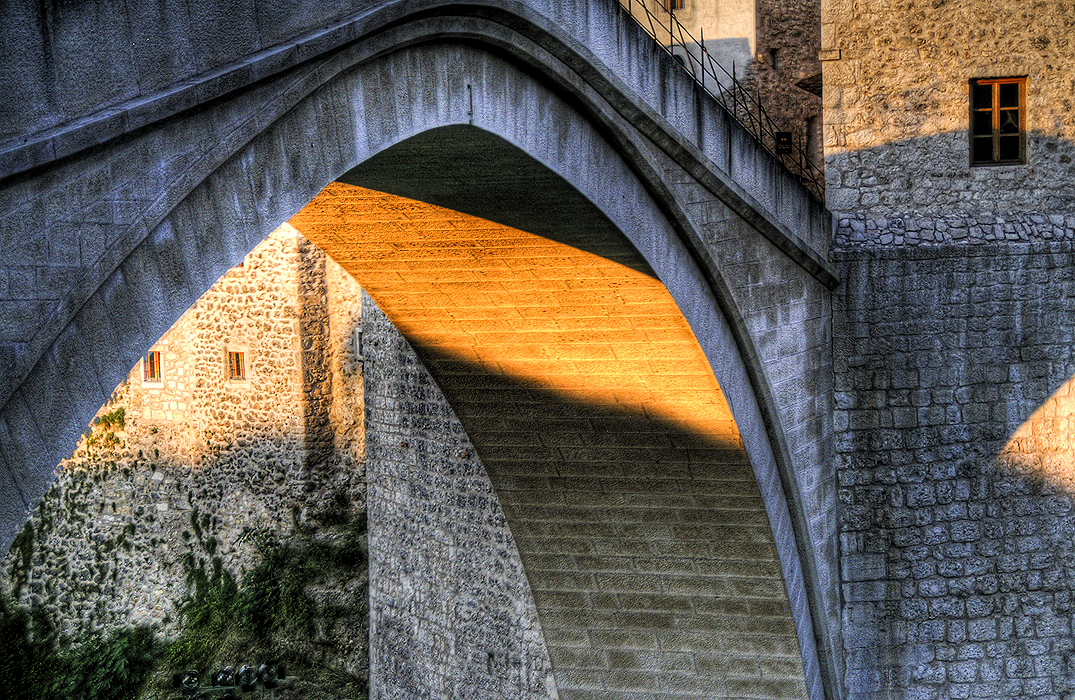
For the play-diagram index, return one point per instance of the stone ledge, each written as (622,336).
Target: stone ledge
(923,230)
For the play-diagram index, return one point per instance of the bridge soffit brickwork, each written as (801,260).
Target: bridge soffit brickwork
(153,219)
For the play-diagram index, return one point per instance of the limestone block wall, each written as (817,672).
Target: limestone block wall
(726,27)
(953,373)
(451,612)
(196,410)
(897,113)
(293,314)
(102,550)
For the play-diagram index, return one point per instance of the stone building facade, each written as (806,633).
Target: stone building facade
(288,317)
(949,146)
(727,28)
(897,113)
(786,72)
(191,451)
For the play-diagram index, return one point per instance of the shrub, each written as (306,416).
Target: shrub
(113,668)
(33,668)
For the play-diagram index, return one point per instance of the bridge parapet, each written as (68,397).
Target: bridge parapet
(87,88)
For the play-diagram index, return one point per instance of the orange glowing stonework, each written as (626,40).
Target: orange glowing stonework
(543,313)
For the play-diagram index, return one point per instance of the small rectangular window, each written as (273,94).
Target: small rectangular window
(783,142)
(236,367)
(673,5)
(151,366)
(998,121)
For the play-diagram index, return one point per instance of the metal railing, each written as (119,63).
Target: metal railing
(747,109)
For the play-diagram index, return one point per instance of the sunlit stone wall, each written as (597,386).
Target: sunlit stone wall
(896,108)
(103,548)
(956,470)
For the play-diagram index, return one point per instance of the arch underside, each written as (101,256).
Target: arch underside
(597,418)
(364,110)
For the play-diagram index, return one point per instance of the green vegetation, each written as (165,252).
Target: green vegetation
(113,420)
(269,616)
(35,665)
(102,433)
(24,545)
(266,617)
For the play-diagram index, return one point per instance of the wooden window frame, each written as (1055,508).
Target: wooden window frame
(995,110)
(151,367)
(236,365)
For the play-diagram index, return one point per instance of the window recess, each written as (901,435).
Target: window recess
(236,365)
(998,121)
(151,366)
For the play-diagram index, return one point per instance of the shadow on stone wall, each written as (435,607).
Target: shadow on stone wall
(213,520)
(646,545)
(592,408)
(134,568)
(930,176)
(954,460)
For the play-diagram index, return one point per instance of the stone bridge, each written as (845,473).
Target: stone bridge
(629,350)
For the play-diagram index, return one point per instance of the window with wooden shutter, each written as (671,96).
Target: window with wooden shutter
(236,365)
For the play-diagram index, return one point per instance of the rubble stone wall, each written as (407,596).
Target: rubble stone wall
(451,612)
(103,548)
(954,405)
(789,38)
(896,105)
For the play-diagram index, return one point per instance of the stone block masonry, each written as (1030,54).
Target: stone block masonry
(789,37)
(897,106)
(953,369)
(451,612)
(952,349)
(911,229)
(605,444)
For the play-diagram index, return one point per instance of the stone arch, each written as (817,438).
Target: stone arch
(336,125)
(596,419)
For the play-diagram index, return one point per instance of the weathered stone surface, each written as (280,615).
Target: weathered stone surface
(193,456)
(594,411)
(271,129)
(451,611)
(897,107)
(913,229)
(953,377)
(789,39)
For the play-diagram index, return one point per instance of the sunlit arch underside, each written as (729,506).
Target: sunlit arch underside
(523,306)
(602,427)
